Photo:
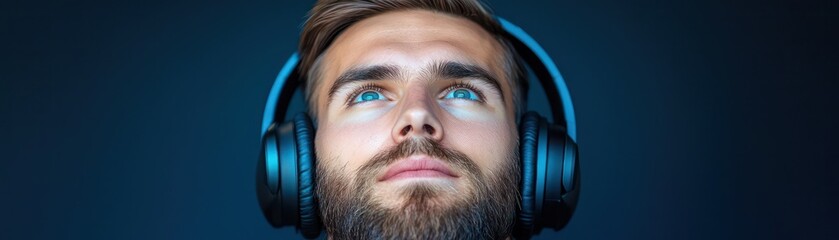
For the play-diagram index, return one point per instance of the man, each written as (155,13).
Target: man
(415,104)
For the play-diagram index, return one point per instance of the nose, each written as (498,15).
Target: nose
(417,120)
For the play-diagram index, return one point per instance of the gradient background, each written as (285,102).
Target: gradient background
(697,119)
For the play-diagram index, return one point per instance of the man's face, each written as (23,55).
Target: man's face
(416,132)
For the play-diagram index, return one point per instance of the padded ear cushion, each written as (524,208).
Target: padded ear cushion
(528,143)
(310,224)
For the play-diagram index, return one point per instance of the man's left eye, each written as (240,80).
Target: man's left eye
(462,93)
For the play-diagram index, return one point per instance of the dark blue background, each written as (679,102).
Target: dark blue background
(697,119)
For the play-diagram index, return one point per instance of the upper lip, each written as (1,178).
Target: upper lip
(417,163)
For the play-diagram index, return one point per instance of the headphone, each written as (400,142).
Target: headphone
(550,169)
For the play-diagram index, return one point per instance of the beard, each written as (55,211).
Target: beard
(487,210)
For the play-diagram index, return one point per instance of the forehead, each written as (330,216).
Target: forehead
(409,39)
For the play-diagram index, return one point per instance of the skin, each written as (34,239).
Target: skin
(413,104)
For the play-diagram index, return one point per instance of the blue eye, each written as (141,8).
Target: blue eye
(462,93)
(367,96)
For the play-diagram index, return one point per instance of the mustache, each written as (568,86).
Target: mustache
(457,160)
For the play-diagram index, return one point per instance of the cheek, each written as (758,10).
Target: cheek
(347,146)
(488,143)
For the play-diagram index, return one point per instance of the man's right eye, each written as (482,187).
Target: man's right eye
(366,93)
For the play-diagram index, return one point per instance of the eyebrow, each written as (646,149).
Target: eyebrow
(437,70)
(456,70)
(366,73)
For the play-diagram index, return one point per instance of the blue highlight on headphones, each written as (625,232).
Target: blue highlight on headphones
(271,106)
(559,82)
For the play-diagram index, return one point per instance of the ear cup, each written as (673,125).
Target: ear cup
(277,176)
(268,178)
(563,181)
(309,224)
(550,176)
(528,144)
(561,178)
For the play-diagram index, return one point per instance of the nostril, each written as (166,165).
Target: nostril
(405,130)
(429,129)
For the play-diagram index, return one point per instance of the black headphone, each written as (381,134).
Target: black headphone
(550,180)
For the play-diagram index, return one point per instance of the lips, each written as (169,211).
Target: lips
(418,166)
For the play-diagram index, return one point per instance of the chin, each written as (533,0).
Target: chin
(424,194)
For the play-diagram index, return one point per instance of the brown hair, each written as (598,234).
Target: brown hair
(328,18)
